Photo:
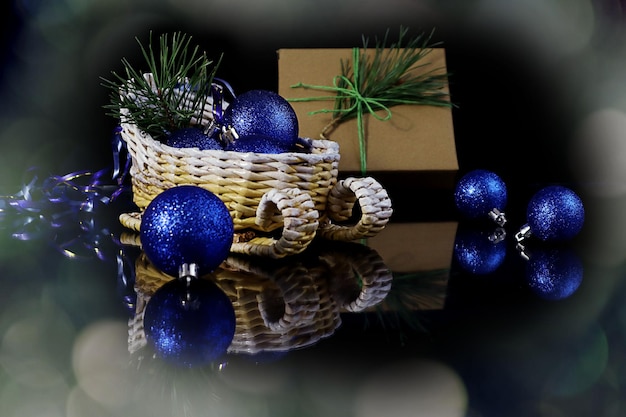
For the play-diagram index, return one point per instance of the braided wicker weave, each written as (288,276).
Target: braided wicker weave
(296,192)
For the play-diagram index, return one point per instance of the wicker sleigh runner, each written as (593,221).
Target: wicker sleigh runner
(281,305)
(278,202)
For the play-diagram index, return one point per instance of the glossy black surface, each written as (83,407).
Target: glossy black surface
(443,342)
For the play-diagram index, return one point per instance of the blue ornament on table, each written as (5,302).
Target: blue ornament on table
(257,143)
(186,225)
(189,323)
(481,194)
(479,252)
(554,273)
(261,112)
(192,137)
(554,214)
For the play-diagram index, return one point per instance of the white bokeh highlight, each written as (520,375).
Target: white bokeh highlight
(414,388)
(100,363)
(599,152)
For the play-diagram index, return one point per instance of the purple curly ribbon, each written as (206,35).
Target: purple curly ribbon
(217,94)
(57,202)
(227,85)
(118,145)
(119,149)
(126,280)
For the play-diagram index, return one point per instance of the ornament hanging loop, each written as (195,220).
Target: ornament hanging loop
(188,272)
(497,216)
(524,233)
(523,252)
(498,235)
(229,135)
(520,236)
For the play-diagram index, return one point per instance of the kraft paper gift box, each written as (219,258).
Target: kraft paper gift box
(417,139)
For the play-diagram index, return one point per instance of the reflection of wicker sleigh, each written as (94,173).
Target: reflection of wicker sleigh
(295,192)
(281,305)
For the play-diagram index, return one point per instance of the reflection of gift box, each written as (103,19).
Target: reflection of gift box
(415,138)
(414,247)
(420,257)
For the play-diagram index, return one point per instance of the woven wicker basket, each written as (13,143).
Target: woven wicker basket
(296,193)
(282,305)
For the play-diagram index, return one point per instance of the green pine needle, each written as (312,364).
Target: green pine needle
(158,105)
(411,294)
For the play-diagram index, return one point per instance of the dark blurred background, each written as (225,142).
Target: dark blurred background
(541,98)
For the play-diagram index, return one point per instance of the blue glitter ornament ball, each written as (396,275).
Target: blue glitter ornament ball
(258,144)
(478,192)
(186,224)
(476,253)
(192,137)
(262,112)
(554,273)
(555,213)
(189,324)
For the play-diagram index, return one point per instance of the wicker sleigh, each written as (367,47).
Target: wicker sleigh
(281,306)
(278,202)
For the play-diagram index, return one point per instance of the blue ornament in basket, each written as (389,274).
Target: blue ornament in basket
(192,137)
(186,225)
(481,194)
(258,144)
(189,323)
(262,112)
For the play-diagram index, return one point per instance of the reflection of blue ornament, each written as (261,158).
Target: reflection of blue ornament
(481,194)
(554,213)
(479,253)
(186,225)
(554,273)
(189,323)
(192,137)
(258,144)
(261,112)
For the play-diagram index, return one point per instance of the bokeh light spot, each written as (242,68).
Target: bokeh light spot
(599,153)
(417,388)
(100,358)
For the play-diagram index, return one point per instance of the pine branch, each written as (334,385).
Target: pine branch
(384,79)
(170,94)
(390,78)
